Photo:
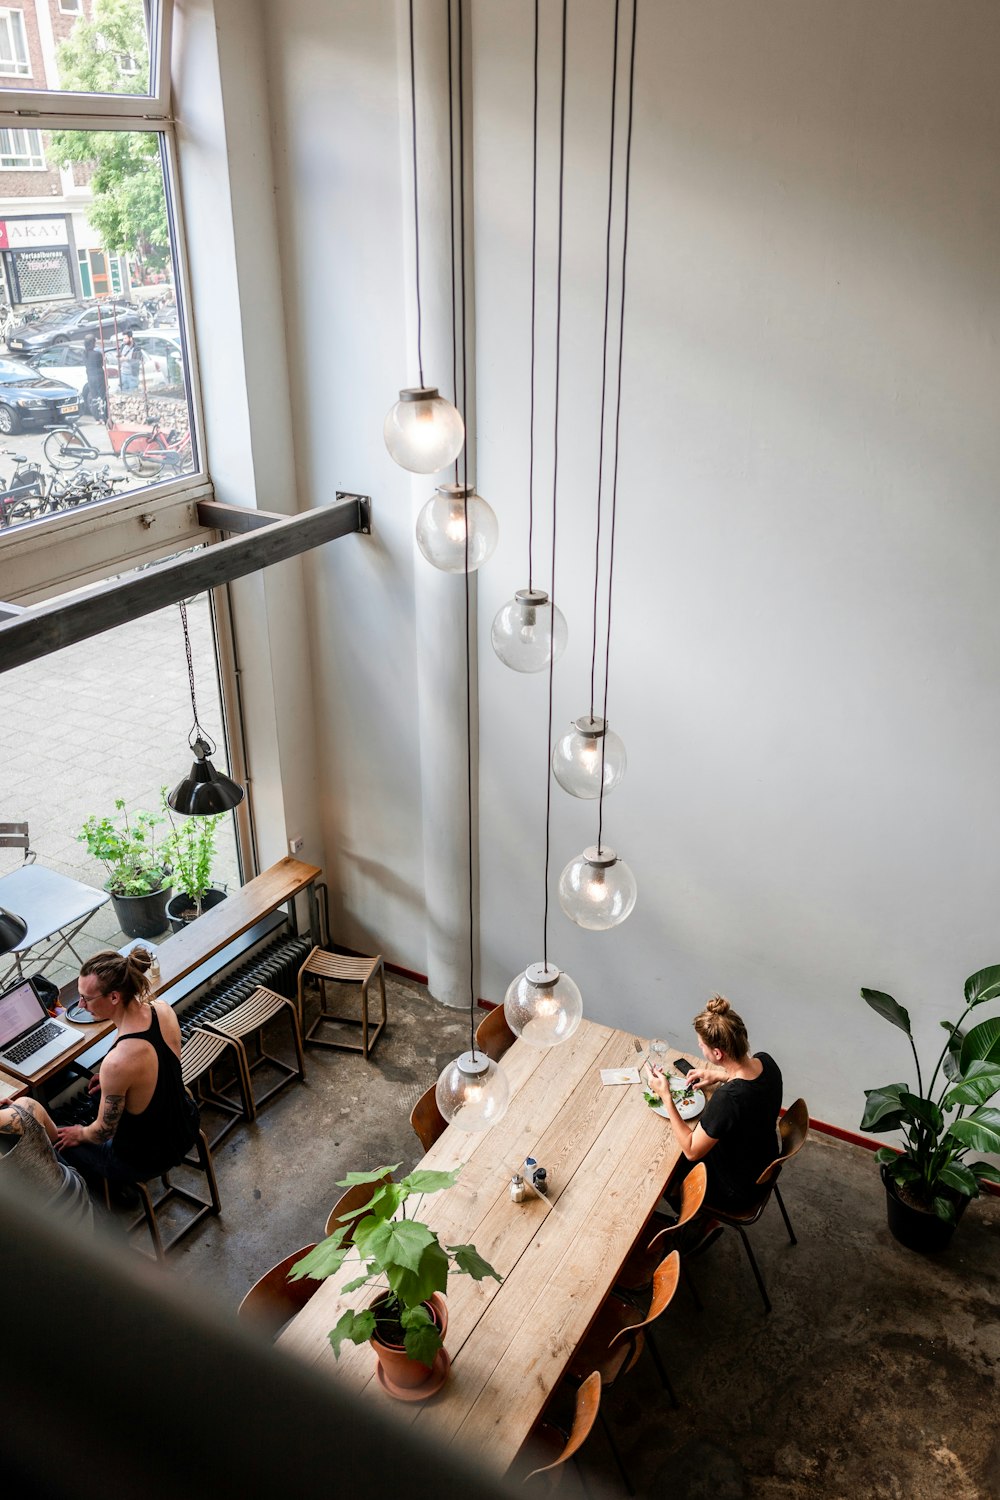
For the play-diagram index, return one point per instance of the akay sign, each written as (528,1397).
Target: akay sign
(31,234)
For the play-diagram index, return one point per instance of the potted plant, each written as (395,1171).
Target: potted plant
(190,846)
(137,871)
(928,1185)
(406,1322)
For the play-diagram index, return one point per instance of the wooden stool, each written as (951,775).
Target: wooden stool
(151,1205)
(249,1019)
(199,1056)
(324,967)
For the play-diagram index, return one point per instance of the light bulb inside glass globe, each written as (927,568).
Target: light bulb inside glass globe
(442,525)
(597,890)
(473,1092)
(578,756)
(524,630)
(543,1005)
(423,432)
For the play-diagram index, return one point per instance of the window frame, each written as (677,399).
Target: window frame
(19,70)
(30,164)
(60,109)
(73,8)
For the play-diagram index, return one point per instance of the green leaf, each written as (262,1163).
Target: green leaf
(957,1176)
(393,1242)
(905,1170)
(355,1179)
(980,1084)
(982,1043)
(944,1208)
(883,1108)
(983,986)
(356,1327)
(924,1110)
(469,1261)
(886,1156)
(423,1180)
(414,1287)
(887,1007)
(412,1317)
(981,1129)
(325,1259)
(422,1342)
(352,1286)
(985,1171)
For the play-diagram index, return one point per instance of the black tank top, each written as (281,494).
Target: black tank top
(156,1139)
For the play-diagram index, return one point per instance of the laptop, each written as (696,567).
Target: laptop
(29,1037)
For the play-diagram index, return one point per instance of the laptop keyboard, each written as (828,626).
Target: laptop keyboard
(32,1043)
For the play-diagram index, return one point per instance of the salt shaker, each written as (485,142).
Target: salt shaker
(517,1188)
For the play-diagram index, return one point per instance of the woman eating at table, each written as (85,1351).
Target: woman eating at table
(146,1120)
(26,1152)
(736,1136)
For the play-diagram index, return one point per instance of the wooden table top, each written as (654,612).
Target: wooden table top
(608,1158)
(198,941)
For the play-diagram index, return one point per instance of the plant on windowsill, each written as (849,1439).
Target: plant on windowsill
(190,847)
(929,1184)
(406,1323)
(137,871)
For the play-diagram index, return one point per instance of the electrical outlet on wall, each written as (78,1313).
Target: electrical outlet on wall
(295,845)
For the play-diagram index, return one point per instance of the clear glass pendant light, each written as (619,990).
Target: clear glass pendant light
(423,432)
(472,1092)
(441,529)
(577,758)
(543,1005)
(525,630)
(597,890)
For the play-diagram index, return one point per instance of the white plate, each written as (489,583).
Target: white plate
(689,1110)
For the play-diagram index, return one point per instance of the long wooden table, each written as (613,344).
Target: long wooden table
(608,1158)
(187,949)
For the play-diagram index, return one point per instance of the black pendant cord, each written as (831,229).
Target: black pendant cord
(416,199)
(451,195)
(196,731)
(555,479)
(618,407)
(534,282)
(604,357)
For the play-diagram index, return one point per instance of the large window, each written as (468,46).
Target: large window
(14,61)
(21,149)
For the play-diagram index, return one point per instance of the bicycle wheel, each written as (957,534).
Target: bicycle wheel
(65,448)
(144,454)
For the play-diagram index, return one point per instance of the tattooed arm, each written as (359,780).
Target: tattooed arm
(114,1090)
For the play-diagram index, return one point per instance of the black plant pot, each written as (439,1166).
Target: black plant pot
(182,910)
(916,1228)
(142,916)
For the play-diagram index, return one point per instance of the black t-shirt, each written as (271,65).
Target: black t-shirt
(742,1116)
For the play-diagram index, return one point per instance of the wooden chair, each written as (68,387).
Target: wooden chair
(493,1034)
(172,1191)
(547,1441)
(249,1020)
(427,1120)
(793,1128)
(325,968)
(200,1056)
(15,836)
(355,1197)
(619,1333)
(637,1272)
(274,1299)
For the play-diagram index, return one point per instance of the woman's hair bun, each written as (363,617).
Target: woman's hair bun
(718,1005)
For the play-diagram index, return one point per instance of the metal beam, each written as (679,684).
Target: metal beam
(48,627)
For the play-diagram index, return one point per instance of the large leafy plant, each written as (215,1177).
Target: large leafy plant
(402,1254)
(190,847)
(969,1073)
(127,850)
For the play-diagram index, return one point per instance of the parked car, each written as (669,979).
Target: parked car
(28,399)
(74,322)
(164,354)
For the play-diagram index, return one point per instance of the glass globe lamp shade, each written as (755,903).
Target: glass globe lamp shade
(442,524)
(577,759)
(473,1092)
(423,432)
(528,630)
(543,1006)
(597,890)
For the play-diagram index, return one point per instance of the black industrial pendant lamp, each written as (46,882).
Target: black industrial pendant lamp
(204,790)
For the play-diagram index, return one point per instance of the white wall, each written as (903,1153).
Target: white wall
(804,652)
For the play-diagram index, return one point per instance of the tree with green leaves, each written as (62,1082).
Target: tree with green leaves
(129,210)
(403,1253)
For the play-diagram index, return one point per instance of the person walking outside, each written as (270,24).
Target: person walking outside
(97,385)
(130,362)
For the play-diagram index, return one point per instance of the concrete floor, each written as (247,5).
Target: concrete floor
(874,1376)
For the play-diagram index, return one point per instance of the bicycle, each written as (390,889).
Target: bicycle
(67,448)
(24,496)
(150,454)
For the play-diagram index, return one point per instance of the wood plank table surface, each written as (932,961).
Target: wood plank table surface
(608,1158)
(197,942)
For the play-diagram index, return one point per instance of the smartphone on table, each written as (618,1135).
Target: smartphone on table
(683,1066)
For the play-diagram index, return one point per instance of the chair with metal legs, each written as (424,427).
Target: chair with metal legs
(638,1270)
(548,1441)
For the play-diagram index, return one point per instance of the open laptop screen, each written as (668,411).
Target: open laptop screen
(20,1011)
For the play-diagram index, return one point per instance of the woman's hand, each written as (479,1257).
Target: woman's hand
(69,1135)
(706,1074)
(659,1084)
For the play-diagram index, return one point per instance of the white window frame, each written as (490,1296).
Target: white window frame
(29,161)
(61,109)
(18,69)
(71,7)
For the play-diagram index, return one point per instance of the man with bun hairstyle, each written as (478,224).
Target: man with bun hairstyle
(736,1135)
(146,1120)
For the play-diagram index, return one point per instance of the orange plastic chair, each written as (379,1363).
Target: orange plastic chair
(562,1445)
(638,1270)
(493,1034)
(427,1120)
(274,1299)
(355,1197)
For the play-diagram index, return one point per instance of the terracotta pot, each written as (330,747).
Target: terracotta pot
(401,1371)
